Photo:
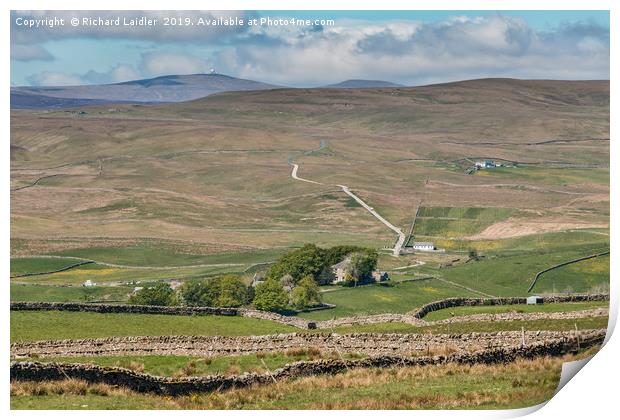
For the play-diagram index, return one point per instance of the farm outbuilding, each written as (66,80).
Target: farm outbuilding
(423,246)
(535,300)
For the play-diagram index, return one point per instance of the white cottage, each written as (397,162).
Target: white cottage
(423,246)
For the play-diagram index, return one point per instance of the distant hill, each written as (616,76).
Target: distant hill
(27,100)
(360,83)
(159,89)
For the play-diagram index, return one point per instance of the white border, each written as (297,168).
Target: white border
(591,394)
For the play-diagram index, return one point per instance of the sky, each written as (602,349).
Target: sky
(406,47)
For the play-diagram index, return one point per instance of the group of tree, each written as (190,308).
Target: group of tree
(230,291)
(311,260)
(291,282)
(226,291)
(159,294)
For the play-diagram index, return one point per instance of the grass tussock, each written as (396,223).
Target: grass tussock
(66,387)
(519,384)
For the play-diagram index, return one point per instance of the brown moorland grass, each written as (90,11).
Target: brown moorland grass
(202,171)
(518,384)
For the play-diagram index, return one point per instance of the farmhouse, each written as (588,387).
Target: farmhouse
(423,246)
(485,164)
(340,270)
(257,279)
(380,276)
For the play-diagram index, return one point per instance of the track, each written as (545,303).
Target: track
(401,236)
(294,175)
(400,242)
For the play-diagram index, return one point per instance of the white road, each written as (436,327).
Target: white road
(401,236)
(294,175)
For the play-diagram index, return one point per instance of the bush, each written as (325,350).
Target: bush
(306,293)
(161,294)
(224,291)
(270,296)
(308,260)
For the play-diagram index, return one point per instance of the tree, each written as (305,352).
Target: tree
(306,293)
(326,276)
(307,260)
(363,264)
(287,282)
(270,296)
(198,292)
(224,291)
(338,253)
(232,291)
(360,268)
(473,255)
(161,294)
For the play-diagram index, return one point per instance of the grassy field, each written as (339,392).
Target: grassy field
(179,366)
(512,275)
(106,275)
(53,325)
(579,277)
(519,384)
(39,265)
(547,307)
(168,185)
(457,221)
(377,299)
(38,293)
(467,327)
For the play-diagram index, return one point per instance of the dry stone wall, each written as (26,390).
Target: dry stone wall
(371,344)
(413,318)
(453,302)
(34,371)
(516,316)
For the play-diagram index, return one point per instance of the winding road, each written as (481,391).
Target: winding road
(401,236)
(294,175)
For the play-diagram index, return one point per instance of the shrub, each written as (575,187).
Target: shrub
(161,294)
(308,260)
(306,293)
(270,296)
(224,291)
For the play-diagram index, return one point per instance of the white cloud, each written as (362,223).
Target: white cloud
(416,53)
(21,52)
(159,64)
(50,78)
(406,52)
(171,33)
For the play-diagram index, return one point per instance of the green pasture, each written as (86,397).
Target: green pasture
(582,276)
(508,276)
(384,298)
(496,309)
(47,293)
(55,325)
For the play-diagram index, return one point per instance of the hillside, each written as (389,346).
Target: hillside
(159,89)
(360,83)
(209,181)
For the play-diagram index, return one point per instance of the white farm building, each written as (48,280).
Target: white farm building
(423,246)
